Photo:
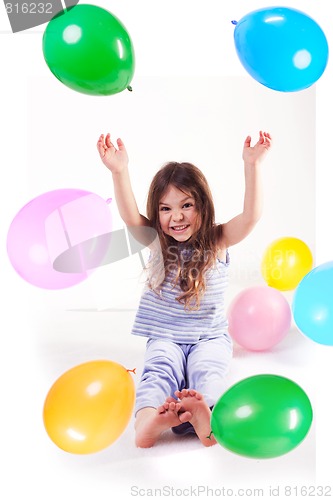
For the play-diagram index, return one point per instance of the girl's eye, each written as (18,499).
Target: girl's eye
(186,205)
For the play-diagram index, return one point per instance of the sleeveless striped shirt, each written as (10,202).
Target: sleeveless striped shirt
(161,316)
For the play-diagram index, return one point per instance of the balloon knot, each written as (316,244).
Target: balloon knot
(233,22)
(133,371)
(129,88)
(108,200)
(210,435)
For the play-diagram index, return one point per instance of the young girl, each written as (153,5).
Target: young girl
(182,308)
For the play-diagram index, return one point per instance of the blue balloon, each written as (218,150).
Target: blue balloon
(312,305)
(283,49)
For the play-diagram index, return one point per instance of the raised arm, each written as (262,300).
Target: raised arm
(116,160)
(240,226)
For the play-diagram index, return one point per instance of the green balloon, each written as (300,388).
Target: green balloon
(263,416)
(89,50)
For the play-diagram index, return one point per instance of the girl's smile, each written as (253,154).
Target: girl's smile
(177,213)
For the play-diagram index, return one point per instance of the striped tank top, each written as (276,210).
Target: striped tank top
(161,316)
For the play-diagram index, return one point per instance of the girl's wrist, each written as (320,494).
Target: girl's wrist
(252,164)
(121,172)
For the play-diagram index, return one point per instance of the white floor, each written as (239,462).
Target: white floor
(65,338)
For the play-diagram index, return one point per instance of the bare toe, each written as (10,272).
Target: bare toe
(161,409)
(171,406)
(181,394)
(185,416)
(170,399)
(195,394)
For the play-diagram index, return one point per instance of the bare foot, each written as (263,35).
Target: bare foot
(152,422)
(183,415)
(193,403)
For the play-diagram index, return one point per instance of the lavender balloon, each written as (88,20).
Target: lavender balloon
(53,224)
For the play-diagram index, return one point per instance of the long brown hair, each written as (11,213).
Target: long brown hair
(189,273)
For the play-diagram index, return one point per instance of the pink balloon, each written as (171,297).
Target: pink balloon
(55,224)
(259,317)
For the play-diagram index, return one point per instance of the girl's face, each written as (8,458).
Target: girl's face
(178,214)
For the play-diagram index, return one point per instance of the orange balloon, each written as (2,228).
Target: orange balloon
(89,406)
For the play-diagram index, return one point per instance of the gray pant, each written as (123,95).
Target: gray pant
(169,367)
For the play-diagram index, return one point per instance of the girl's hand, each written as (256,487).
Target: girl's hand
(255,154)
(116,160)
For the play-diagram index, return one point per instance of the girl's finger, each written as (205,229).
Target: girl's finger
(121,145)
(100,149)
(108,141)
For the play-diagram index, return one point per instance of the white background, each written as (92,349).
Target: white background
(202,119)
(184,50)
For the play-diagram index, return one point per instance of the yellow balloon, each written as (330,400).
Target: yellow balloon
(285,263)
(89,406)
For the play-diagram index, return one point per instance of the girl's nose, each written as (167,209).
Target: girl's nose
(177,216)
